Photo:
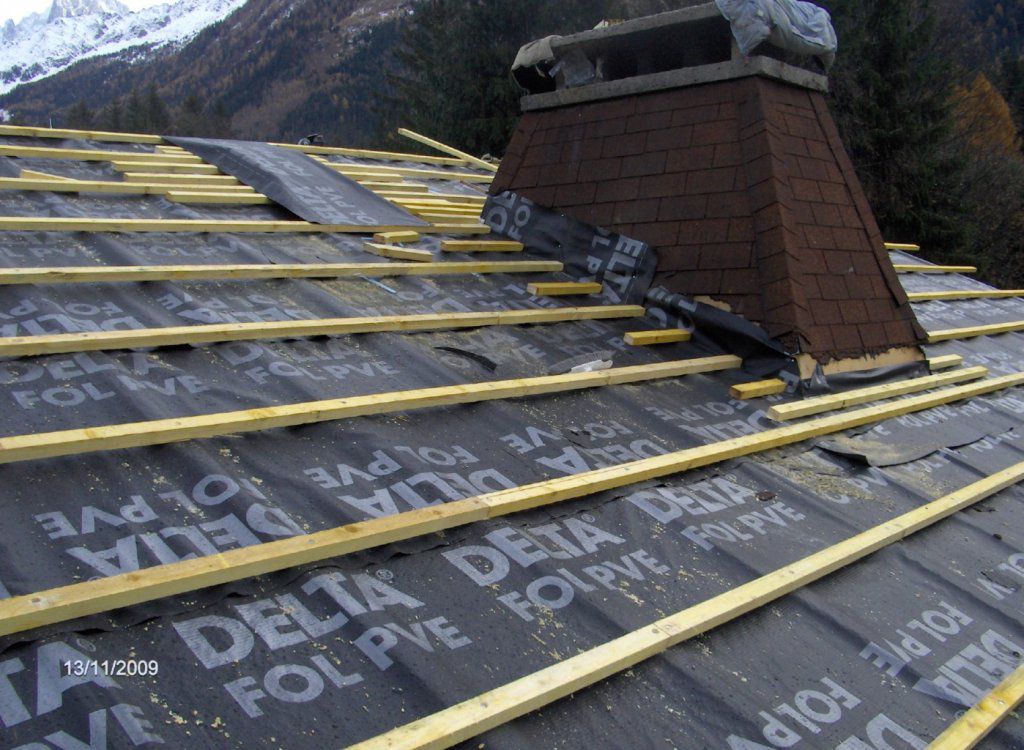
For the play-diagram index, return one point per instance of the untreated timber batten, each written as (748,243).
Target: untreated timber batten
(212,198)
(162,431)
(76,600)
(444,148)
(481,246)
(64,343)
(972,331)
(944,362)
(976,723)
(165,166)
(77,274)
(399,253)
(758,388)
(907,268)
(363,153)
(82,154)
(964,294)
(60,224)
(562,288)
(71,134)
(833,401)
(67,185)
(396,237)
(660,336)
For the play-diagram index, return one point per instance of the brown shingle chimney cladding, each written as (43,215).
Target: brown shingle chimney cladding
(745,189)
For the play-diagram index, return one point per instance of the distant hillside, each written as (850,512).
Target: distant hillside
(281,68)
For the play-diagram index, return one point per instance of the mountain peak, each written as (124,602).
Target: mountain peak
(77,8)
(43,44)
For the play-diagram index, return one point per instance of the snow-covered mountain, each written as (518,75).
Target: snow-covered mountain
(71,30)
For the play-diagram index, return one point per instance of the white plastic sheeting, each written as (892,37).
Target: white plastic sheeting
(793,25)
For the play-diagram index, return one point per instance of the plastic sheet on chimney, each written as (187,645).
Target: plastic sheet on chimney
(799,27)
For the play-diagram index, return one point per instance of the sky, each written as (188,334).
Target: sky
(26,7)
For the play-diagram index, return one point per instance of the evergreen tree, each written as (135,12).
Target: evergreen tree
(135,118)
(894,95)
(1011,83)
(80,116)
(157,116)
(220,121)
(112,117)
(190,118)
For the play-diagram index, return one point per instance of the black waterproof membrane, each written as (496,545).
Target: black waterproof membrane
(307,188)
(883,654)
(624,266)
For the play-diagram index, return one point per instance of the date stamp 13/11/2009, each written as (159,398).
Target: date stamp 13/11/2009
(110,667)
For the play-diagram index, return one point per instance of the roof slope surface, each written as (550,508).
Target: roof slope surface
(883,654)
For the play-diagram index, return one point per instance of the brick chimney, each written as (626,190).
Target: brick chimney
(732,168)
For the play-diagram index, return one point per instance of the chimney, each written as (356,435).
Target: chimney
(731,166)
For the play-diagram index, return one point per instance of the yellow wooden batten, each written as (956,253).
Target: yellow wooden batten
(113,188)
(906,268)
(69,134)
(77,274)
(397,188)
(398,252)
(164,166)
(423,174)
(562,288)
(363,153)
(179,429)
(944,362)
(972,331)
(32,174)
(64,343)
(201,198)
(758,389)
(965,294)
(83,154)
(446,149)
(481,246)
(661,336)
(60,224)
(397,237)
(833,401)
(209,180)
(976,723)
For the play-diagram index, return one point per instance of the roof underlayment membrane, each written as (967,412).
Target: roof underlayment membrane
(884,653)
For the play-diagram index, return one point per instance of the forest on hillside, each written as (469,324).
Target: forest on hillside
(928,94)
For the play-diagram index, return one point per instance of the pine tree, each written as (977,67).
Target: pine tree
(1011,83)
(189,119)
(112,117)
(157,116)
(80,116)
(219,119)
(894,92)
(135,118)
